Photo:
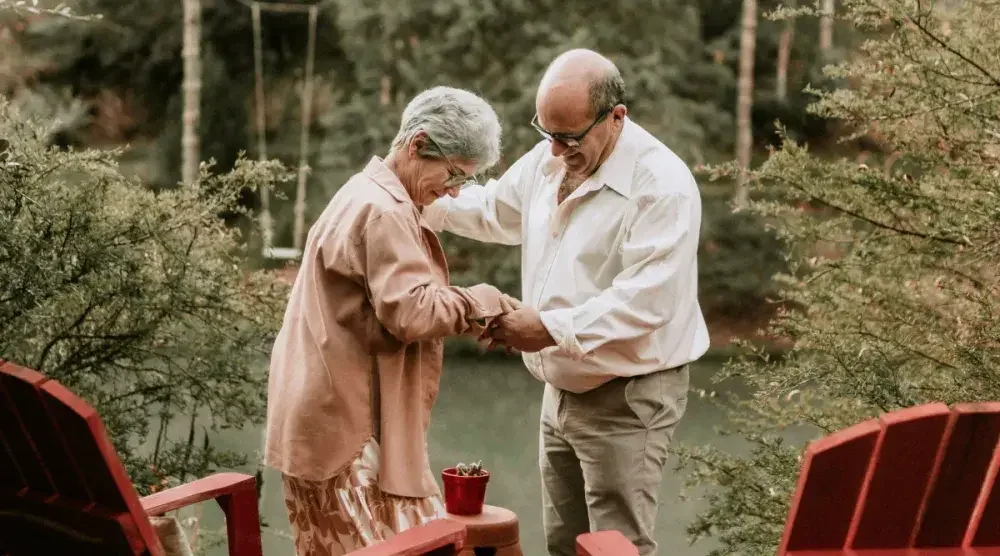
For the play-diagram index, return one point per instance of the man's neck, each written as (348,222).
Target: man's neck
(609,149)
(569,184)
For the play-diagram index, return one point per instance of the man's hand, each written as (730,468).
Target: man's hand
(521,330)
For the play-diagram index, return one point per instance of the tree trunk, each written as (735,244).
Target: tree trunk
(744,99)
(260,111)
(826,26)
(191,53)
(307,98)
(784,55)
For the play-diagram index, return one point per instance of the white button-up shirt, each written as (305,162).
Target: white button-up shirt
(613,269)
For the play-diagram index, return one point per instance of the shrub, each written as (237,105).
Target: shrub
(139,302)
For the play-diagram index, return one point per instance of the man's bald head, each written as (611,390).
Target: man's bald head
(581,109)
(582,75)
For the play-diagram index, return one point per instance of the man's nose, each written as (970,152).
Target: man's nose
(558,148)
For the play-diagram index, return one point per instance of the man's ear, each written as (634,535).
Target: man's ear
(619,112)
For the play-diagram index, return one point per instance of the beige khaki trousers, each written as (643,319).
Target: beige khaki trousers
(602,455)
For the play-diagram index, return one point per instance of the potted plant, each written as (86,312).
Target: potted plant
(465,488)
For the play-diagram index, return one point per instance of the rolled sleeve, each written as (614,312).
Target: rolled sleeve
(488,301)
(559,323)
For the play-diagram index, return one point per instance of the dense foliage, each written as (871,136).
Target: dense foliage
(902,300)
(678,58)
(136,301)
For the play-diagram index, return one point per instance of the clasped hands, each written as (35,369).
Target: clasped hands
(520,329)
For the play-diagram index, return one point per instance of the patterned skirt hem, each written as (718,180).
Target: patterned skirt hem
(349,512)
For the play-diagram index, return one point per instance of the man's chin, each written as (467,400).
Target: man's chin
(577,161)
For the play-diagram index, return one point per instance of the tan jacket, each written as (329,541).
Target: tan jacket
(365,321)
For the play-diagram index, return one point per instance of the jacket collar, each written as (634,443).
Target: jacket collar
(378,172)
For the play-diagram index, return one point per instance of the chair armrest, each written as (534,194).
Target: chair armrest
(417,541)
(236,494)
(605,543)
(208,488)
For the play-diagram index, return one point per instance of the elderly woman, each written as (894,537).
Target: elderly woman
(355,369)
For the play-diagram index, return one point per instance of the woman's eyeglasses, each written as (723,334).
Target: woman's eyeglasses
(456,177)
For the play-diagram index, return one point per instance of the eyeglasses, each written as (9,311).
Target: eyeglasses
(570,140)
(456,177)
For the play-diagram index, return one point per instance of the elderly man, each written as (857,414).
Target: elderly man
(608,219)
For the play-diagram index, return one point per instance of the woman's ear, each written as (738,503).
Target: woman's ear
(417,143)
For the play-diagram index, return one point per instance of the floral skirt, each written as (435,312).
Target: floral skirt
(348,512)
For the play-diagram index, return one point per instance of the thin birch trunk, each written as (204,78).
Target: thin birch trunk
(191,53)
(784,56)
(826,26)
(744,100)
(307,99)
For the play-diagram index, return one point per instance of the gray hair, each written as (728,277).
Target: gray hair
(459,123)
(607,90)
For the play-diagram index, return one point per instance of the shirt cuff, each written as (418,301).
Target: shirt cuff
(559,323)
(434,214)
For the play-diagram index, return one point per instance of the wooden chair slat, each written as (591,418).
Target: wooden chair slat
(439,537)
(84,434)
(985,529)
(11,479)
(107,479)
(969,447)
(833,472)
(19,444)
(32,524)
(605,543)
(899,476)
(23,389)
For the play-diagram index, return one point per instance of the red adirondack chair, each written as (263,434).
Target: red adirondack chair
(63,490)
(911,482)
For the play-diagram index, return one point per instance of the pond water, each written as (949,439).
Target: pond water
(489,410)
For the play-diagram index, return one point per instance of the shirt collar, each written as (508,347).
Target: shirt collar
(378,172)
(618,170)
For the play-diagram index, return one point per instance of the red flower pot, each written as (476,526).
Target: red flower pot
(464,495)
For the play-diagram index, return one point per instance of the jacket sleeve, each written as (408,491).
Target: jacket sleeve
(409,302)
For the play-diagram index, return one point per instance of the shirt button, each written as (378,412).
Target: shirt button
(555,234)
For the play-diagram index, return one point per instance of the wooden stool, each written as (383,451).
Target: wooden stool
(492,533)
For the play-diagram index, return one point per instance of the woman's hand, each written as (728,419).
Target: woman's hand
(509,305)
